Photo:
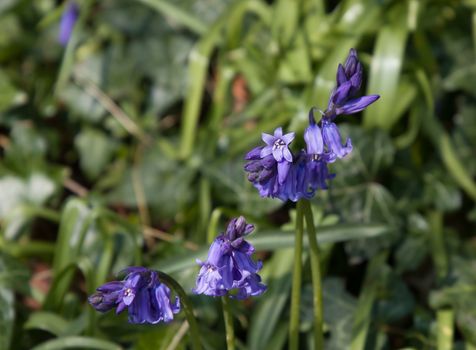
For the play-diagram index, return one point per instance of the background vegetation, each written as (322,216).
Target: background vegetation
(126,147)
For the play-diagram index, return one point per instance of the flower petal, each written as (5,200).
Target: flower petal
(278,132)
(111,286)
(254,153)
(332,140)
(313,138)
(68,20)
(356,79)
(351,62)
(278,154)
(266,151)
(268,139)
(283,169)
(288,138)
(341,77)
(342,93)
(287,155)
(357,104)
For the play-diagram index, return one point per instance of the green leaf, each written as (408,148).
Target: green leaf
(268,311)
(396,301)
(161,178)
(77,342)
(338,313)
(7,317)
(13,274)
(363,312)
(95,150)
(285,21)
(75,220)
(18,195)
(453,164)
(197,69)
(296,65)
(9,95)
(160,338)
(385,72)
(47,321)
(168,9)
(461,78)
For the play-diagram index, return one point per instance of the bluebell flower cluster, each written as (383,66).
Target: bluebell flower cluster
(68,20)
(145,297)
(277,173)
(229,267)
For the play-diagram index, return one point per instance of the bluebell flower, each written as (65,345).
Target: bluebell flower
(278,146)
(68,20)
(343,101)
(277,173)
(307,172)
(263,173)
(296,185)
(349,81)
(146,299)
(229,266)
(317,155)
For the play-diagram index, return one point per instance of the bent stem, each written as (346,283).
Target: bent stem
(296,286)
(230,333)
(187,308)
(316,276)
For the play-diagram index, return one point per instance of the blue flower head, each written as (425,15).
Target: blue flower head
(147,300)
(275,172)
(229,267)
(349,81)
(68,20)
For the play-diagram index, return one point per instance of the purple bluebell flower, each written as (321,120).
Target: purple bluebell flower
(263,173)
(296,185)
(147,300)
(68,20)
(317,155)
(277,145)
(349,81)
(277,173)
(229,267)
(332,139)
(301,178)
(343,101)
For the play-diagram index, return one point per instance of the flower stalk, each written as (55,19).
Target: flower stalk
(187,308)
(228,317)
(296,283)
(316,276)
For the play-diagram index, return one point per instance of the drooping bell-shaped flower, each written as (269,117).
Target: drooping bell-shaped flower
(141,293)
(332,139)
(229,266)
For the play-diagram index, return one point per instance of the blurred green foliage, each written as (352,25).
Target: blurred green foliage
(126,147)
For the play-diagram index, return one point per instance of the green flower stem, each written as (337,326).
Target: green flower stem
(230,333)
(187,308)
(296,286)
(316,276)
